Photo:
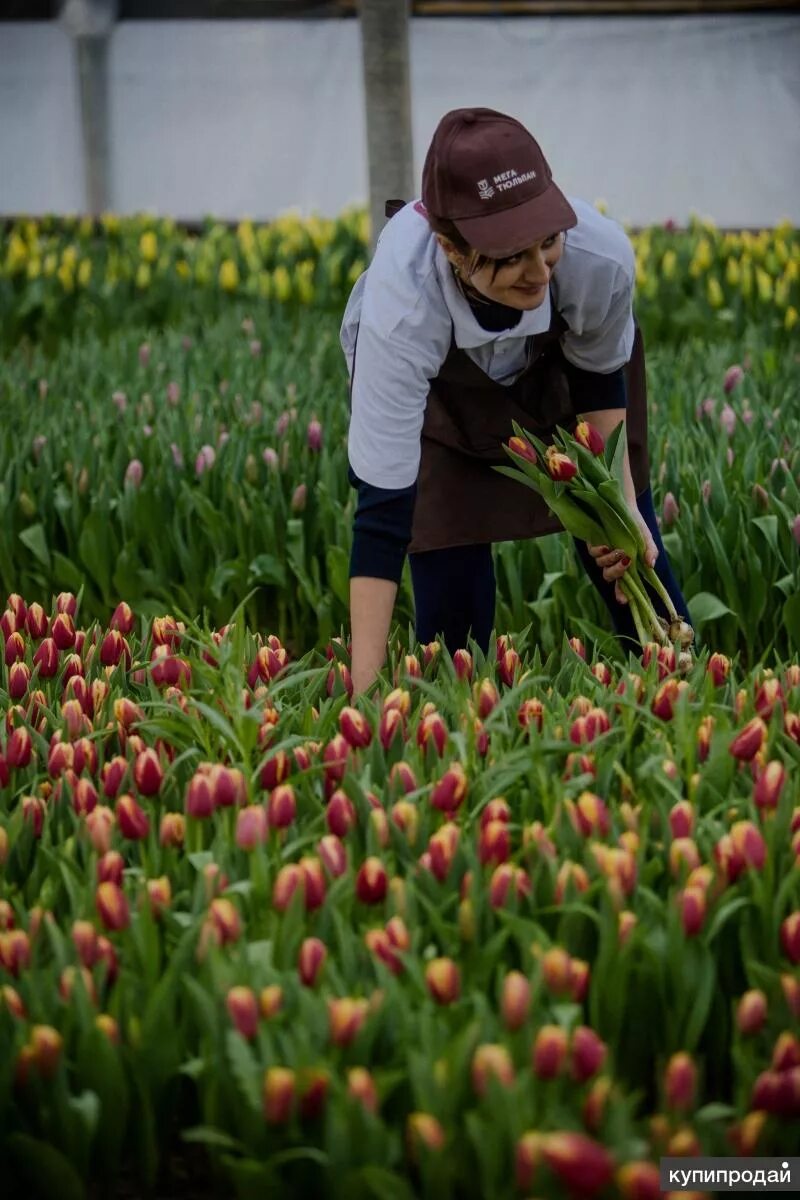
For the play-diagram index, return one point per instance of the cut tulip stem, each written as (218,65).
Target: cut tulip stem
(658,586)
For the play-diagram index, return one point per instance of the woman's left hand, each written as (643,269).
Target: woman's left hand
(614,563)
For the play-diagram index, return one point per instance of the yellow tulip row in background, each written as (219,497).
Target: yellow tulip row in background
(697,279)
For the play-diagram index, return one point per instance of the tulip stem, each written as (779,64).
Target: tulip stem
(646,609)
(658,586)
(633,604)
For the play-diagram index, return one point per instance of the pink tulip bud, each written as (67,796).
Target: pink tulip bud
(786,1052)
(299,498)
(314,436)
(777,1093)
(111,864)
(749,740)
(587,1053)
(134,473)
(311,960)
(671,511)
(531,713)
(251,827)
(768,696)
(681,819)
(733,376)
(19,748)
(443,980)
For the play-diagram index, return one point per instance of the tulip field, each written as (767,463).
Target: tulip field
(507,926)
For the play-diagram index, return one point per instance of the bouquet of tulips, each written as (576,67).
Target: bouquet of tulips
(580,478)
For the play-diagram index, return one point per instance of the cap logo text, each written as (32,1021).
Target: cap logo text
(485,189)
(504,181)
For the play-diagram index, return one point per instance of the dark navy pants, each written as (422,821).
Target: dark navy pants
(454,590)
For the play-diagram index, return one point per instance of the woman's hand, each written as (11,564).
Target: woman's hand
(614,563)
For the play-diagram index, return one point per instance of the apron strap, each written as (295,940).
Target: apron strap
(393,206)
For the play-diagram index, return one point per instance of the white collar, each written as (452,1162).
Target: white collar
(468,332)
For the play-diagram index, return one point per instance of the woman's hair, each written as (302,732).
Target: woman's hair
(475,260)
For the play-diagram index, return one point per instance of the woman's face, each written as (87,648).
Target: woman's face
(520,281)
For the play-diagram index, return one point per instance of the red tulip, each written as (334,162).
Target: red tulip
(333,855)
(491,1061)
(790,937)
(443,980)
(549,1051)
(281,807)
(680,1082)
(270,1001)
(133,821)
(19,748)
(275,770)
(355,728)
(243,1011)
(311,960)
(692,904)
(46,1046)
(587,1053)
(199,800)
(531,712)
(340,814)
(172,830)
(449,791)
(581,1163)
(559,466)
(251,827)
(505,879)
(522,447)
(639,1181)
(122,618)
(36,622)
(442,848)
(463,663)
(749,740)
(515,1000)
(372,882)
(278,1095)
(361,1087)
(346,1018)
(112,906)
(590,438)
(786,1052)
(424,1132)
(778,1093)
(769,785)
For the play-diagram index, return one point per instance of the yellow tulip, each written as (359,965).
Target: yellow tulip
(229,275)
(733,272)
(715,297)
(148,246)
(282,284)
(182,269)
(69,256)
(34,268)
(703,255)
(17,254)
(84,271)
(65,278)
(781,293)
(143,276)
(791,317)
(747,279)
(264,284)
(50,264)
(764,284)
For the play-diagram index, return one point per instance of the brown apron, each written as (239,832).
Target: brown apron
(460,499)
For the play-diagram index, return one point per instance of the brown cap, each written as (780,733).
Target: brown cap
(485,172)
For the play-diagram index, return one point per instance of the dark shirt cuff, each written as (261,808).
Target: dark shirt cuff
(590,391)
(381,529)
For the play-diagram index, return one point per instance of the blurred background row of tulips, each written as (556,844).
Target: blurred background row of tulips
(62,275)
